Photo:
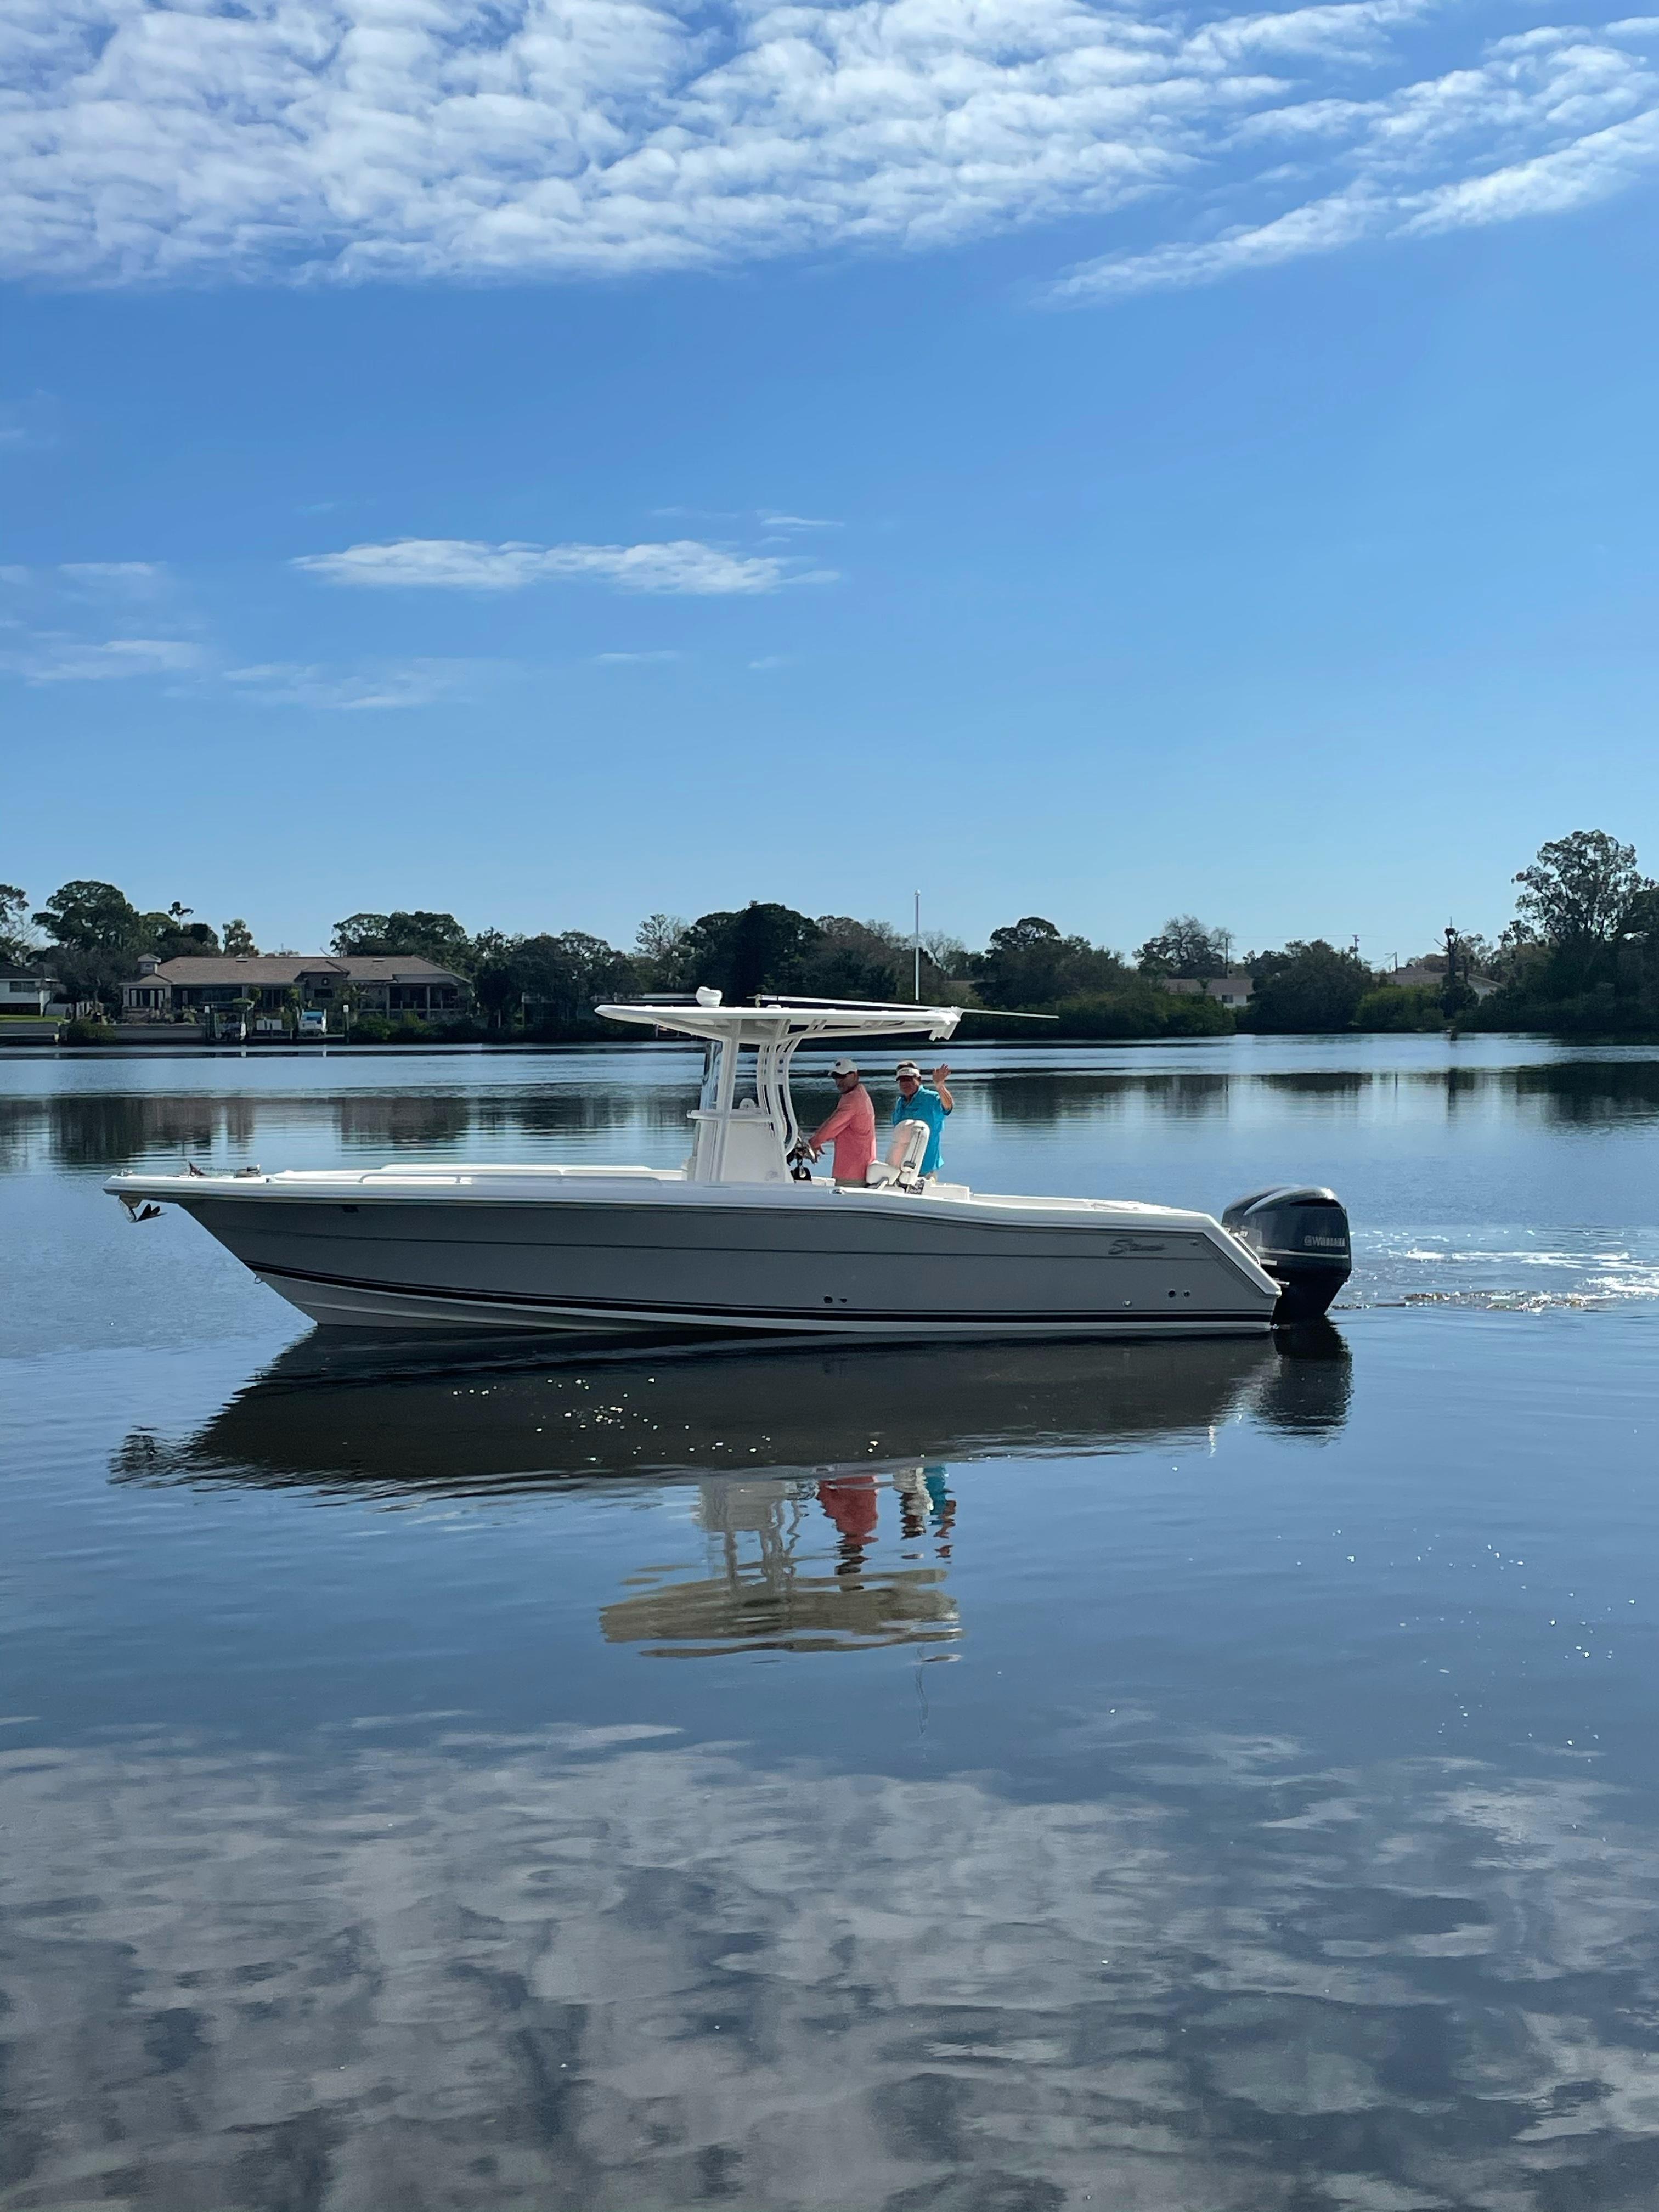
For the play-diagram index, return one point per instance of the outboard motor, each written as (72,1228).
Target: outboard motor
(1299,1235)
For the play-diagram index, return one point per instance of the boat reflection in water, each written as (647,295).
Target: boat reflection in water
(798,1563)
(823,1478)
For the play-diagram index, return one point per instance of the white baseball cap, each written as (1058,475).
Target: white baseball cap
(909,1067)
(845,1067)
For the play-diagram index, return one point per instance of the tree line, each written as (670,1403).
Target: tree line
(1580,954)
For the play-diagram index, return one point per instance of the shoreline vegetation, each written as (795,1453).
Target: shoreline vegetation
(1580,959)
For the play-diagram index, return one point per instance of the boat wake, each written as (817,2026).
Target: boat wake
(1511,1274)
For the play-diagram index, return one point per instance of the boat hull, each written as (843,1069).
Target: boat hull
(820,1264)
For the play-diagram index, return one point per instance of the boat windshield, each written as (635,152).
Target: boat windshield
(746,1077)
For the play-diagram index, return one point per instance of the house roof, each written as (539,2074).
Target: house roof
(395,968)
(205,968)
(289,967)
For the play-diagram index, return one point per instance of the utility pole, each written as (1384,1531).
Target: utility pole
(915,945)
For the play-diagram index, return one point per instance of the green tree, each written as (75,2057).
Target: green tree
(1184,946)
(856,960)
(1640,918)
(1389,1006)
(238,940)
(170,937)
(361,933)
(759,947)
(1028,963)
(16,943)
(1307,986)
(1476,954)
(1578,892)
(498,984)
(426,935)
(1578,900)
(659,952)
(90,916)
(92,975)
(1518,952)
(949,956)
(562,978)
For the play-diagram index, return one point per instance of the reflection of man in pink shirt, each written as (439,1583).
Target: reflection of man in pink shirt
(851,1128)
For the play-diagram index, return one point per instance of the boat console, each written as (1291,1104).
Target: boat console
(743,1123)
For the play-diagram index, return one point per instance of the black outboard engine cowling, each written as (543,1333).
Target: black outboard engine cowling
(1299,1235)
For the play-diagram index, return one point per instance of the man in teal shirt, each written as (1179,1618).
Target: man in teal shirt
(923,1102)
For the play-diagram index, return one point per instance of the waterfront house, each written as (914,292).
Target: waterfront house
(1233,989)
(26,991)
(394,985)
(1230,990)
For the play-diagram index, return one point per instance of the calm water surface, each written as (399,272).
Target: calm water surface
(1207,1777)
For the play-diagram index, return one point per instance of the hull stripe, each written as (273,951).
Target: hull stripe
(770,1314)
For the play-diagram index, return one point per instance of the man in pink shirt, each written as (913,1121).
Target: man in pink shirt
(851,1128)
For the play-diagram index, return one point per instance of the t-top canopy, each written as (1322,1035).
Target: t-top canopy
(774,1018)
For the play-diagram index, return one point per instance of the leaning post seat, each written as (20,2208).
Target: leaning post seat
(905,1154)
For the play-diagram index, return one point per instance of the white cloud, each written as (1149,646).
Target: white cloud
(350,139)
(620,659)
(684,565)
(60,632)
(60,635)
(798,522)
(125,579)
(118,573)
(53,657)
(56,657)
(408,683)
(810,1965)
(1550,121)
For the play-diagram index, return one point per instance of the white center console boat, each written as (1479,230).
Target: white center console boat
(743,1239)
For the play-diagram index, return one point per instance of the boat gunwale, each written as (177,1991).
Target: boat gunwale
(639,1187)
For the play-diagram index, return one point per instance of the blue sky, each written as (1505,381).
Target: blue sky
(566,458)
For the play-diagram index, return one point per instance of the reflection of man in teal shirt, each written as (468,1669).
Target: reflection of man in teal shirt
(922,1102)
